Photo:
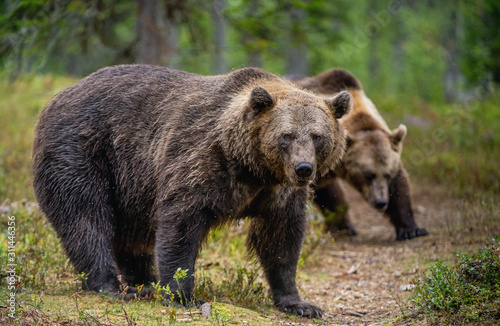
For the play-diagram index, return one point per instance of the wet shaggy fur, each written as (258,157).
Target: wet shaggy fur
(134,165)
(371,164)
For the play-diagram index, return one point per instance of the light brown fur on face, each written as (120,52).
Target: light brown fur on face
(296,128)
(296,135)
(371,163)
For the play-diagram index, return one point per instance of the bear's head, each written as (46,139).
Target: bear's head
(295,134)
(372,161)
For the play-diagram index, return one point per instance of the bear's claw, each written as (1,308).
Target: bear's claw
(407,235)
(302,308)
(129,293)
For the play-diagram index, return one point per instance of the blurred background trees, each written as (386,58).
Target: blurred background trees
(430,64)
(433,50)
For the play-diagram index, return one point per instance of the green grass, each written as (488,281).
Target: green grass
(19,108)
(465,293)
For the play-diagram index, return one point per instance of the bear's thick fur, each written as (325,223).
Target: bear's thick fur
(134,164)
(371,164)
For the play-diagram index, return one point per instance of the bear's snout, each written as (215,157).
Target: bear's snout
(380,203)
(304,169)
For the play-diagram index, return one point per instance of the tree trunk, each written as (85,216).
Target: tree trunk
(150,40)
(220,62)
(373,35)
(174,14)
(254,55)
(398,52)
(452,75)
(297,54)
(158,32)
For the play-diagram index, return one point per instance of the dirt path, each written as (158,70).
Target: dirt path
(365,280)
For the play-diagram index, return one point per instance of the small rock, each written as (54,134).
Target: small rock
(407,287)
(421,209)
(205,310)
(4,210)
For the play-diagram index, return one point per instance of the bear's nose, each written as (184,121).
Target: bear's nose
(380,203)
(304,169)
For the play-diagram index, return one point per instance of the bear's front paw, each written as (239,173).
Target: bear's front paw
(407,235)
(127,292)
(340,228)
(301,308)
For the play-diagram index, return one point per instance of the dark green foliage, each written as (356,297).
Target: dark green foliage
(482,42)
(469,290)
(409,49)
(64,36)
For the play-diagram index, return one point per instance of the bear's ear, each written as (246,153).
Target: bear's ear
(397,136)
(261,100)
(340,104)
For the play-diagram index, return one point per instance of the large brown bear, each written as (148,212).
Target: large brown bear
(135,164)
(371,164)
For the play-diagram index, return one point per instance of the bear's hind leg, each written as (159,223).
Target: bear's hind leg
(88,246)
(77,202)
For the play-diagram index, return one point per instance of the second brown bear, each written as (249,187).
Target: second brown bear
(372,162)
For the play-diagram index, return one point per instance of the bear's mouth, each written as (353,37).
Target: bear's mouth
(302,182)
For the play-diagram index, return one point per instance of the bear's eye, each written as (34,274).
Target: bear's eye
(369,176)
(285,140)
(318,141)
(317,138)
(387,177)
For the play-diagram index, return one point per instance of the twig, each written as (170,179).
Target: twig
(189,313)
(129,321)
(354,313)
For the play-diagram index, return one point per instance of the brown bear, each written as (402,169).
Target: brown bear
(371,164)
(134,164)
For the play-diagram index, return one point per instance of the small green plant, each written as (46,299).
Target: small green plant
(37,301)
(179,277)
(239,286)
(469,290)
(217,318)
(165,295)
(81,281)
(160,293)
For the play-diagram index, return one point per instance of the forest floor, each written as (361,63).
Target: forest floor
(362,280)
(367,279)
